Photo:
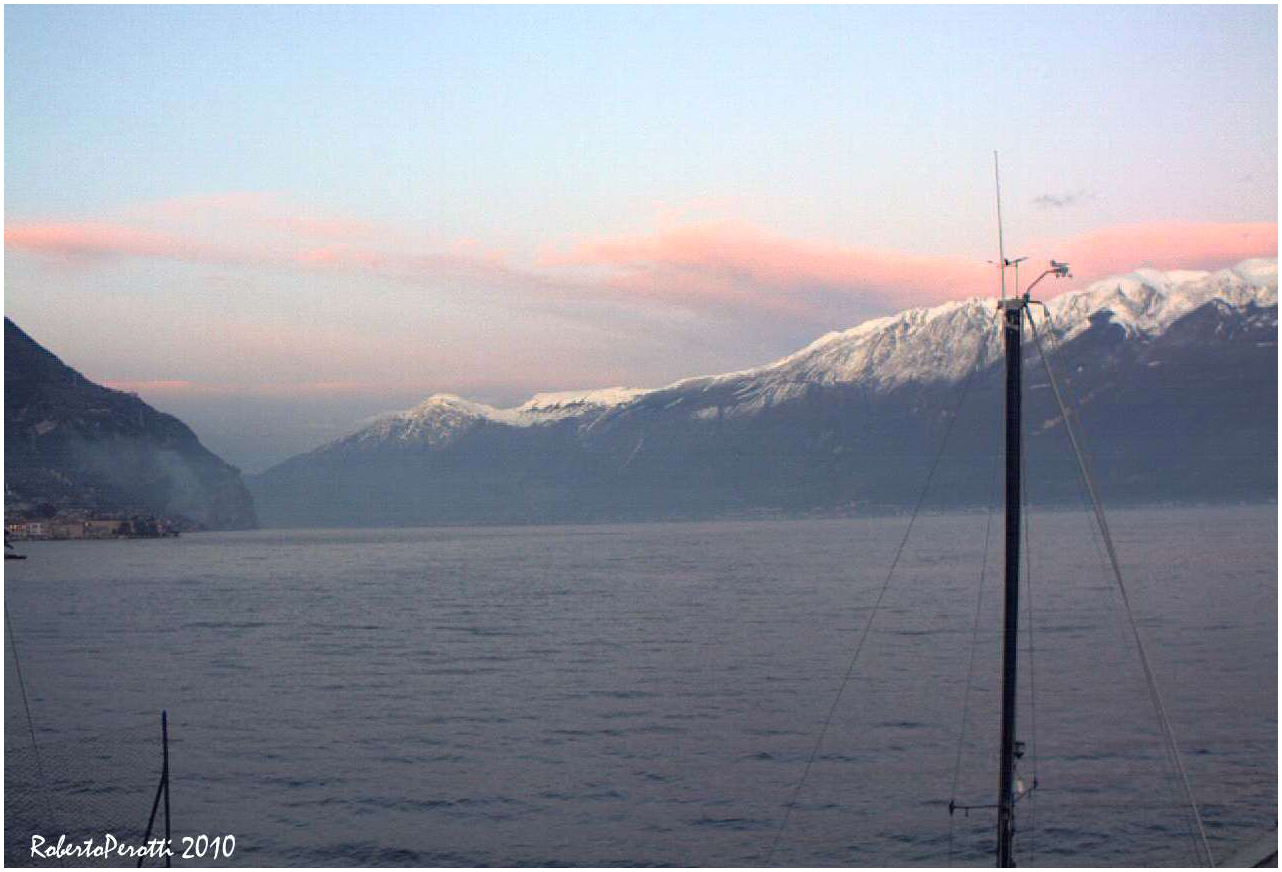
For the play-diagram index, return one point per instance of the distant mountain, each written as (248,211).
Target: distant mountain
(73,444)
(1176,374)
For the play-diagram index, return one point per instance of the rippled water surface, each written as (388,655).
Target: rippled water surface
(644,694)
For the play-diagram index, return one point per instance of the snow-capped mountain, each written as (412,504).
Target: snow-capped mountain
(942,343)
(937,344)
(834,397)
(442,417)
(1147,301)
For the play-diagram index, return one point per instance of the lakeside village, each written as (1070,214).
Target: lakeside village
(75,525)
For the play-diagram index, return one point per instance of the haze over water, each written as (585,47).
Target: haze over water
(646,694)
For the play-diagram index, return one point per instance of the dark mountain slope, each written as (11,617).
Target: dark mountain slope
(74,444)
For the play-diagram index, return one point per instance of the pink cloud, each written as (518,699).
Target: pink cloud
(717,265)
(720,264)
(718,268)
(1114,250)
(91,240)
(267,231)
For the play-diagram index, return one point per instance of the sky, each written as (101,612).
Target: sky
(276,222)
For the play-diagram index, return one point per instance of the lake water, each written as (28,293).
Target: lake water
(643,694)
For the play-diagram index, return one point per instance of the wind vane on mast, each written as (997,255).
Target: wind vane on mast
(1059,270)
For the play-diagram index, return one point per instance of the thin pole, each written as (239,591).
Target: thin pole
(164,735)
(1013,332)
(161,788)
(1001,245)
(151,819)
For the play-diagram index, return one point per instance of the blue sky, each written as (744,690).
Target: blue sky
(330,211)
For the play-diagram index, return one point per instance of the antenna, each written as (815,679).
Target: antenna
(1001,246)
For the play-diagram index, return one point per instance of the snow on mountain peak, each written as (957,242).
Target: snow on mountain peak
(436,421)
(943,342)
(1259,271)
(1148,301)
(914,344)
(443,417)
(937,343)
(555,405)
(439,403)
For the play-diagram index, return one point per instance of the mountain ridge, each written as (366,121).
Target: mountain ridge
(832,426)
(1128,298)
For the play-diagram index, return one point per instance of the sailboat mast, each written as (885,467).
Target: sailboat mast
(1012,309)
(1012,330)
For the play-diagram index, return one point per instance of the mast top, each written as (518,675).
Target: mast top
(1016,300)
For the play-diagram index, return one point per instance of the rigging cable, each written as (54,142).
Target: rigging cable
(1054,358)
(863,636)
(974,639)
(22,685)
(1168,733)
